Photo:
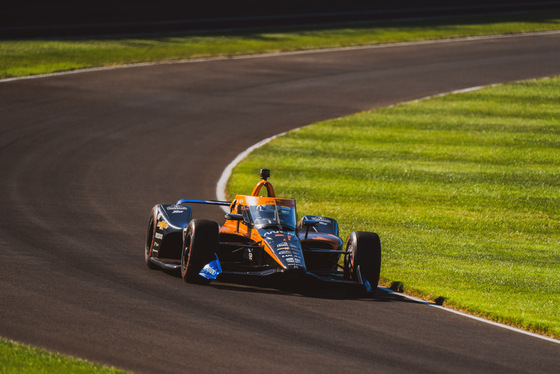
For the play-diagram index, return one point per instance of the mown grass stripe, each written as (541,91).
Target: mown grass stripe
(465,200)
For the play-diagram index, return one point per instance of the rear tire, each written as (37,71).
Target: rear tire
(200,240)
(363,261)
(149,246)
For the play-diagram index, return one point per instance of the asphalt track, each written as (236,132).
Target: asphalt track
(85,156)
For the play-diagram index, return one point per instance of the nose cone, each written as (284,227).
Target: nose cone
(287,249)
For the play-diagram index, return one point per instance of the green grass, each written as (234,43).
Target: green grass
(19,358)
(28,57)
(464,191)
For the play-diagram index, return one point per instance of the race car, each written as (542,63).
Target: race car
(260,237)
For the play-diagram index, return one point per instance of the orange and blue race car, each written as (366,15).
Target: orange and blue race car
(260,237)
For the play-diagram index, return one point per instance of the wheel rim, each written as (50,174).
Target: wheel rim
(350,249)
(184,257)
(183,262)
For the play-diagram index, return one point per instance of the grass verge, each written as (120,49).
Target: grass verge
(462,189)
(19,358)
(28,57)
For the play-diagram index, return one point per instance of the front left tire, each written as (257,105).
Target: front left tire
(200,240)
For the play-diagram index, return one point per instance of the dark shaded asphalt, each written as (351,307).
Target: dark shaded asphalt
(85,156)
(68,18)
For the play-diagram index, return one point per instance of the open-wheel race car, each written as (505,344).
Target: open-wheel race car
(260,237)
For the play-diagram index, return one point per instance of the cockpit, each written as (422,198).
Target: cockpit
(280,216)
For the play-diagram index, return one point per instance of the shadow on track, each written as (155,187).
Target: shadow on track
(311,289)
(303,287)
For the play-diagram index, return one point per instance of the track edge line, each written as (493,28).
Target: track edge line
(287,53)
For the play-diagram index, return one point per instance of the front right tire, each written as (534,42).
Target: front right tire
(362,263)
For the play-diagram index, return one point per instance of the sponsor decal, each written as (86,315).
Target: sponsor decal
(158,235)
(323,220)
(177,207)
(162,225)
(177,211)
(286,247)
(211,270)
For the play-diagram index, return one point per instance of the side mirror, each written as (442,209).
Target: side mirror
(234,217)
(309,223)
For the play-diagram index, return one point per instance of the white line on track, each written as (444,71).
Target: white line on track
(222,182)
(552,340)
(221,195)
(275,54)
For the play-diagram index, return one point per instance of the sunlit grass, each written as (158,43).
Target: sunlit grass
(464,191)
(18,358)
(28,57)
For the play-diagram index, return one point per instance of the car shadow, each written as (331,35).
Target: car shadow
(310,288)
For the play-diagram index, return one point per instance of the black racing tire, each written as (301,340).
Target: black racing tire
(200,240)
(149,245)
(363,260)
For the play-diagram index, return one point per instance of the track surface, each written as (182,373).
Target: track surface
(85,156)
